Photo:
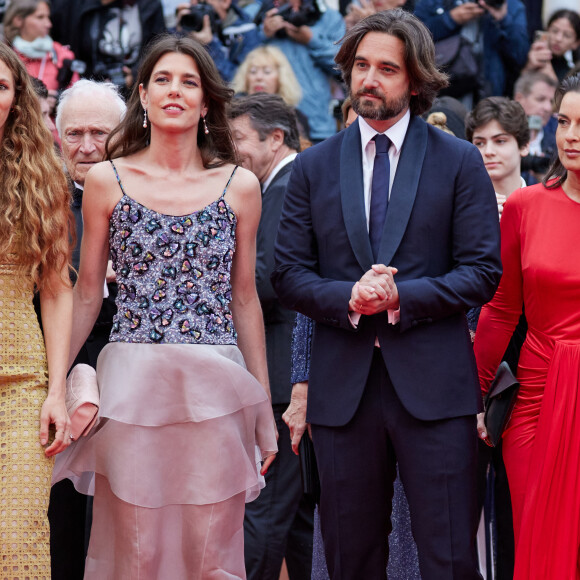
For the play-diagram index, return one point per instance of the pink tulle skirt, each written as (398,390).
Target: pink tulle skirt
(176,451)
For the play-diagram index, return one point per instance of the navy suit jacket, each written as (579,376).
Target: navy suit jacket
(441,232)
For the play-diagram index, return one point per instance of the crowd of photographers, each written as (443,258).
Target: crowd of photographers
(484,45)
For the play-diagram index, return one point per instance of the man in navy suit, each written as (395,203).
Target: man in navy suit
(387,282)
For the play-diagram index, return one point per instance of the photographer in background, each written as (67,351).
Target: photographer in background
(497,30)
(535,91)
(27,26)
(307,31)
(226,31)
(553,49)
(108,35)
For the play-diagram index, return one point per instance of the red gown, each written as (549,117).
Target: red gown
(540,231)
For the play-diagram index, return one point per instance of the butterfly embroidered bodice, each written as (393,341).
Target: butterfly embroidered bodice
(173,273)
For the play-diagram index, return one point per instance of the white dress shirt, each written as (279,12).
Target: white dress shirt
(396,135)
(276,169)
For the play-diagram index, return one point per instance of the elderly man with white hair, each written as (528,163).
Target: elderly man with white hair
(87,113)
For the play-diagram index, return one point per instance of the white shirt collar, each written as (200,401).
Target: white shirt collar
(396,133)
(276,169)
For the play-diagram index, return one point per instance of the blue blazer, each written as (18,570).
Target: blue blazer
(441,232)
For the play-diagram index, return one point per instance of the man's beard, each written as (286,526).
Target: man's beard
(384,111)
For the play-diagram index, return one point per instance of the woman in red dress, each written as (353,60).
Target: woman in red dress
(540,230)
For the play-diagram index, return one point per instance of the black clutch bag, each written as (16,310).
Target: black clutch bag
(499,402)
(309,468)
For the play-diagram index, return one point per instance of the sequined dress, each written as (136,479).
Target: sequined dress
(182,425)
(25,470)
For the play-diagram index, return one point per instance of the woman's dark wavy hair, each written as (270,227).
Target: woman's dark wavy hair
(425,78)
(557,173)
(217,148)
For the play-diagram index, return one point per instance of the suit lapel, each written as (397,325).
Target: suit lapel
(352,196)
(404,189)
(286,169)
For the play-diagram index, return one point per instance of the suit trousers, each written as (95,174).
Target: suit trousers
(437,465)
(279,523)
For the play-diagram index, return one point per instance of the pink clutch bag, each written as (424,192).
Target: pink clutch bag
(82,399)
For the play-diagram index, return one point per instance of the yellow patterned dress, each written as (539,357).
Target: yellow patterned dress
(25,471)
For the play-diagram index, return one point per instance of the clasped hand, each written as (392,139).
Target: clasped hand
(375,292)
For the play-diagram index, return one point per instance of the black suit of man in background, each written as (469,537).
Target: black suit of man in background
(279,524)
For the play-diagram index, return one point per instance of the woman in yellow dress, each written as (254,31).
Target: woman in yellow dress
(34,253)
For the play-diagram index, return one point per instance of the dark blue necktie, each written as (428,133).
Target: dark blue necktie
(379,192)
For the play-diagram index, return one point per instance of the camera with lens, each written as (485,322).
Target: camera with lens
(307,15)
(495,3)
(192,21)
(537,163)
(491,3)
(67,70)
(112,71)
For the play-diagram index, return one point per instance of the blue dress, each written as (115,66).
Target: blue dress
(403,559)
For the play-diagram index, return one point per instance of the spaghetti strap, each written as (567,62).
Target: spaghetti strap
(225,188)
(119,179)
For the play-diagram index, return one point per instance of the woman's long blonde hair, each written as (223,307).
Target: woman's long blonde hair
(288,86)
(36,222)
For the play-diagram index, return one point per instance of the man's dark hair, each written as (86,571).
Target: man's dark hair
(419,53)
(509,114)
(266,113)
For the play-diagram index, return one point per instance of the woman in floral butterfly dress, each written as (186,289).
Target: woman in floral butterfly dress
(183,425)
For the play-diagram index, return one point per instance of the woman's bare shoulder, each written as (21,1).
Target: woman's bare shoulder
(101,173)
(243,181)
(102,187)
